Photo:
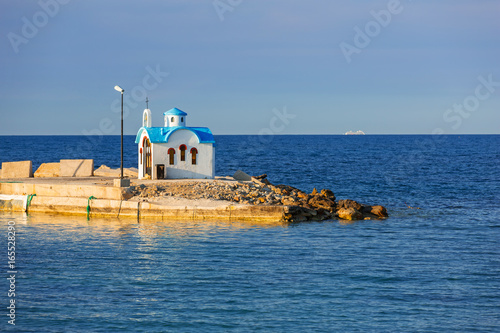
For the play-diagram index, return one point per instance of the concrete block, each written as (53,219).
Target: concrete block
(22,169)
(240,175)
(105,171)
(121,182)
(76,168)
(48,170)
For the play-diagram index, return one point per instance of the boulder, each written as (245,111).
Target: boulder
(127,193)
(349,204)
(288,201)
(261,177)
(48,170)
(349,214)
(314,192)
(105,171)
(328,194)
(303,195)
(242,176)
(321,202)
(284,189)
(305,205)
(267,182)
(103,168)
(296,213)
(323,214)
(379,211)
(308,213)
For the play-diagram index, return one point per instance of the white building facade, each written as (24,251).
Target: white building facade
(174,151)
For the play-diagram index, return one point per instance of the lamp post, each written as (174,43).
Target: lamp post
(117,88)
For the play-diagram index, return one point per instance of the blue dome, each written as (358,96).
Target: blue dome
(175,112)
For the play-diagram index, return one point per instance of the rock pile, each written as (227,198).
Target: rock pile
(299,206)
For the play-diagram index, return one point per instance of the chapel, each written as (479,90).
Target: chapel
(174,151)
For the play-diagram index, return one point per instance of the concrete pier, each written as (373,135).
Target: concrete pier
(76,196)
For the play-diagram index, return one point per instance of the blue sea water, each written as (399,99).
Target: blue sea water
(432,269)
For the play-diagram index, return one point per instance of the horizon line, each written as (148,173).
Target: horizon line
(308,134)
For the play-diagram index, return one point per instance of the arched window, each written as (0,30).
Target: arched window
(182,118)
(171,153)
(146,156)
(183,148)
(194,152)
(172,119)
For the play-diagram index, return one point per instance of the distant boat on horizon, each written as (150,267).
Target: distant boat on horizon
(360,132)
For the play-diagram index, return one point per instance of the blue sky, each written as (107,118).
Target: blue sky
(251,66)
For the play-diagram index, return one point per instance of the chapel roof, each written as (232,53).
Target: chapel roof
(175,112)
(162,134)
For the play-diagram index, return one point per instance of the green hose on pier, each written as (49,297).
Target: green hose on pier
(28,201)
(88,206)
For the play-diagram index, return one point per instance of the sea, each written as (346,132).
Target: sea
(432,266)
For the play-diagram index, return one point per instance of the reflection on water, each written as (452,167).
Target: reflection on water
(123,227)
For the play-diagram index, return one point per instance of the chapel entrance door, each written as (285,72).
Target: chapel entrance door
(146,157)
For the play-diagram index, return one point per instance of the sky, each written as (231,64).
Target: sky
(251,66)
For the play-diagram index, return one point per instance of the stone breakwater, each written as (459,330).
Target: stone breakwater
(258,191)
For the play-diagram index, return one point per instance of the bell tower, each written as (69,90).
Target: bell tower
(175,118)
(146,118)
(146,115)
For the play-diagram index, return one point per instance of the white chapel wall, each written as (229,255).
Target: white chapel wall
(205,166)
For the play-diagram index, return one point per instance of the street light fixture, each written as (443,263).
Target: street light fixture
(119,89)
